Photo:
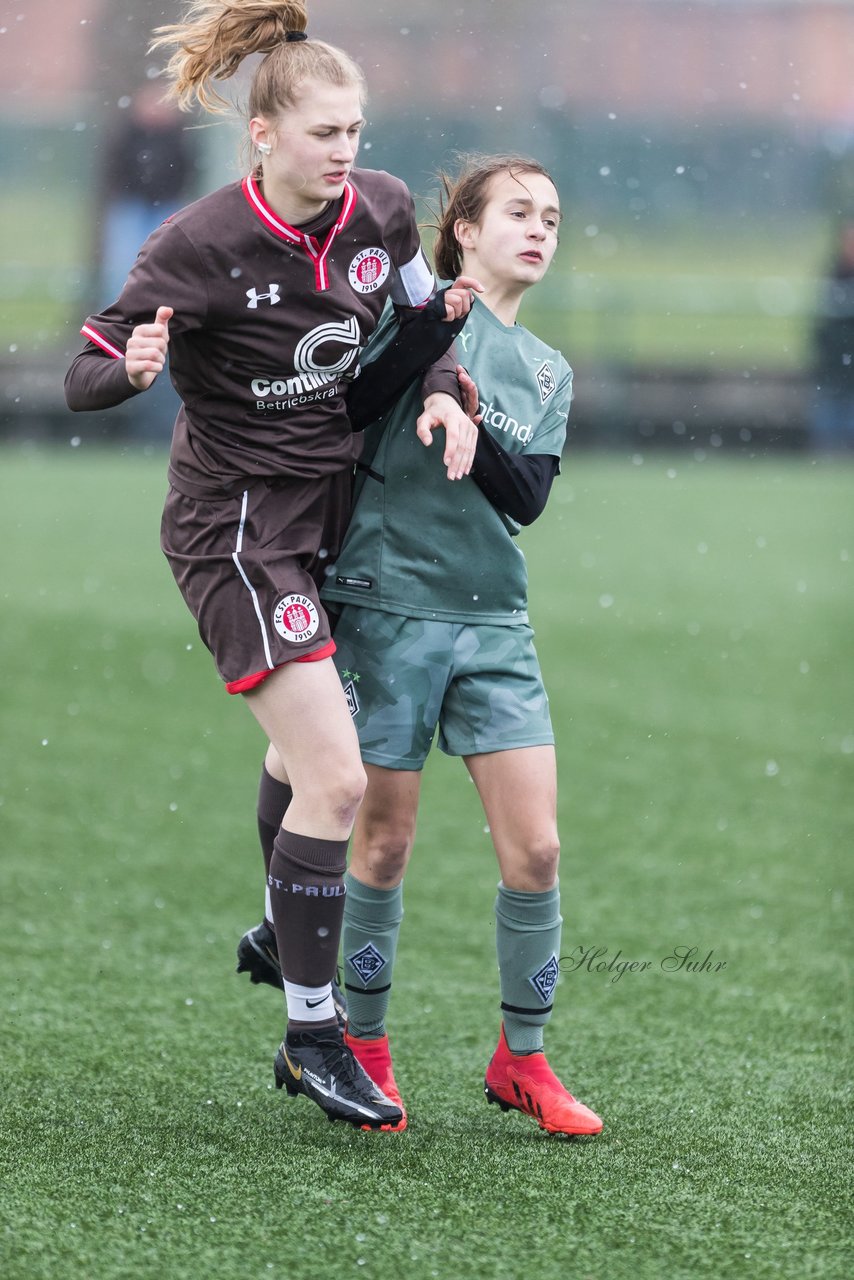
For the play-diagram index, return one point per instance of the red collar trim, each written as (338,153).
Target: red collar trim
(265,213)
(310,244)
(252,192)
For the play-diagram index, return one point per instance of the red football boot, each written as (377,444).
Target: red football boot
(375,1057)
(526,1082)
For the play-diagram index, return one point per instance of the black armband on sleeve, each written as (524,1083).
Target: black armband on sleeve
(514,483)
(422,338)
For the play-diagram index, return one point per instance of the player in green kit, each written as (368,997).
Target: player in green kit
(434,633)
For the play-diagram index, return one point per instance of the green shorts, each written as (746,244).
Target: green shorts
(481,684)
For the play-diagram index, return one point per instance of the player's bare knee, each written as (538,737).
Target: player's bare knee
(389,861)
(345,791)
(387,852)
(540,861)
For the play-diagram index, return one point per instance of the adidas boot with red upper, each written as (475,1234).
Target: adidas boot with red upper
(526,1082)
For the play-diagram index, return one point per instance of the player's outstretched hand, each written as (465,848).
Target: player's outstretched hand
(458,297)
(145,355)
(469,393)
(442,410)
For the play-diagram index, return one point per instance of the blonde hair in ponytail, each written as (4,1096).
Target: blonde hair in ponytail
(215,36)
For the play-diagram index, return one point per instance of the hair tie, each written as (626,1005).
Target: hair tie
(291,36)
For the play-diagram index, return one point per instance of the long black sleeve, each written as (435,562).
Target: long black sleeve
(514,483)
(423,339)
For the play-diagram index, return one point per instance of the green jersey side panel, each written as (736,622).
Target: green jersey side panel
(424,546)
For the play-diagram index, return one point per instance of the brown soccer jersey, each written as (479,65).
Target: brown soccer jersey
(269,321)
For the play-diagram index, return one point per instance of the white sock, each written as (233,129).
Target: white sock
(309,1004)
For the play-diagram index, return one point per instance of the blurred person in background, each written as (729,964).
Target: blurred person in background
(263,294)
(147,171)
(832,412)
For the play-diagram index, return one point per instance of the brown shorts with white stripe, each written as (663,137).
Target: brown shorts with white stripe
(250,569)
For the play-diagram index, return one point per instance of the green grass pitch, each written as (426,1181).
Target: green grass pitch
(694,620)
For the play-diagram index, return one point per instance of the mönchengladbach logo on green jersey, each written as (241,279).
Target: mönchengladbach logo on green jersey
(546,381)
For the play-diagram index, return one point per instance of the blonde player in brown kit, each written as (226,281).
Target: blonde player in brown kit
(264,294)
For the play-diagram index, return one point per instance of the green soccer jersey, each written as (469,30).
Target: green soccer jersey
(427,547)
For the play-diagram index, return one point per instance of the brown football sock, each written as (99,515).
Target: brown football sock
(306,882)
(273,800)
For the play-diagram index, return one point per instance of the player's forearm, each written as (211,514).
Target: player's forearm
(421,347)
(517,485)
(95,381)
(442,376)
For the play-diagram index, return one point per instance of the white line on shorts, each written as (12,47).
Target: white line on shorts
(235,555)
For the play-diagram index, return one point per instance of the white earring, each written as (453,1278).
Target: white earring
(264,148)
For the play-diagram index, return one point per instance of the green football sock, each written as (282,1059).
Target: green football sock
(527,937)
(369,940)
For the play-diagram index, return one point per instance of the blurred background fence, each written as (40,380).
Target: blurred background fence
(704,152)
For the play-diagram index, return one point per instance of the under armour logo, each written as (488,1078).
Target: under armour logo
(255,297)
